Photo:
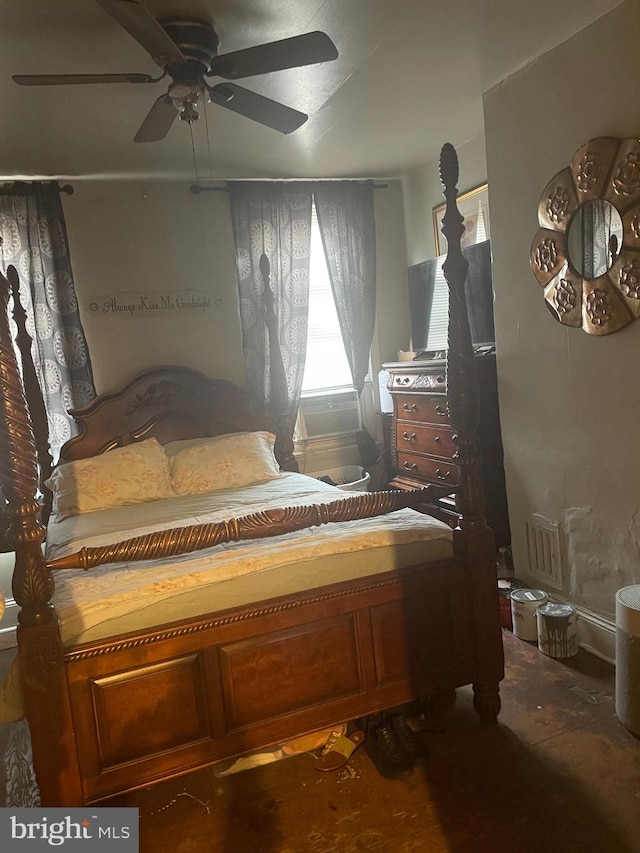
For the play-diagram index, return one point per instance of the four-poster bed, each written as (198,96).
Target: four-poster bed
(239,659)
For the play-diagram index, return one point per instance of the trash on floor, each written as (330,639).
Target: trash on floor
(296,746)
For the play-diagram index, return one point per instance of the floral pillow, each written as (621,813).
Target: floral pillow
(133,474)
(223,462)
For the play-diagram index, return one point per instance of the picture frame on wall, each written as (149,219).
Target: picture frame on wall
(474,207)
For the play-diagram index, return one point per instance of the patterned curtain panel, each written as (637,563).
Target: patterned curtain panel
(34,240)
(347,224)
(273,219)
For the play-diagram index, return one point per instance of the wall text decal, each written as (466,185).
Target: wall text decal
(186,302)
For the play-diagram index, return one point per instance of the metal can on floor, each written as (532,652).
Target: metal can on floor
(524,603)
(557,630)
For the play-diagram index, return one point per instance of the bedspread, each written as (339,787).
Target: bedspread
(90,603)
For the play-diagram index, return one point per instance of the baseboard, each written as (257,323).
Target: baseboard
(597,634)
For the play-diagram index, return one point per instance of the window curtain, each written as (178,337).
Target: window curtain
(272,233)
(33,239)
(347,225)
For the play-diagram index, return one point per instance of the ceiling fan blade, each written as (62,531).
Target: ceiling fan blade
(256,107)
(140,23)
(72,79)
(158,121)
(293,52)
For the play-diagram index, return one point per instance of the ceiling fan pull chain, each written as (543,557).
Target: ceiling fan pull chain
(193,151)
(206,127)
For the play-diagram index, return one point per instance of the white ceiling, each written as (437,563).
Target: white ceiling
(409,76)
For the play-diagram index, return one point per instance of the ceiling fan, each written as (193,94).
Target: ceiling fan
(186,48)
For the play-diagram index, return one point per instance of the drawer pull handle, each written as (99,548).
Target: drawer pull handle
(437,439)
(410,407)
(441,476)
(409,437)
(403,380)
(440,410)
(440,380)
(411,466)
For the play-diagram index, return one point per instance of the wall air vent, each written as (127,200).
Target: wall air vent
(543,546)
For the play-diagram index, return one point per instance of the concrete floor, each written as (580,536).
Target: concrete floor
(559,773)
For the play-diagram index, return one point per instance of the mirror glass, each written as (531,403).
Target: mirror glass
(594,238)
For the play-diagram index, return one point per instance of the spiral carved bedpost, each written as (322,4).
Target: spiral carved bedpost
(40,648)
(473,537)
(32,581)
(33,394)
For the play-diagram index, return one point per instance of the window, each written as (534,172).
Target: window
(439,321)
(329,404)
(327,366)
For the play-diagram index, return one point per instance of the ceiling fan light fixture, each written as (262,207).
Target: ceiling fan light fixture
(189,111)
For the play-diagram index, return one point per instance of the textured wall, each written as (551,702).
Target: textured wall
(569,401)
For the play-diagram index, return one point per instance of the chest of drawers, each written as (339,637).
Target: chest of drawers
(422,442)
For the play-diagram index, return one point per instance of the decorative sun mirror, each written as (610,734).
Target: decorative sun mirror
(586,254)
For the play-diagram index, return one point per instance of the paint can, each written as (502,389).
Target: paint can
(557,630)
(524,603)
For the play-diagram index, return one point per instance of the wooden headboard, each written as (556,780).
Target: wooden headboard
(167,403)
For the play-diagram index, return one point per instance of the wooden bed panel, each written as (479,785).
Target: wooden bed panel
(431,627)
(150,709)
(166,403)
(310,664)
(254,677)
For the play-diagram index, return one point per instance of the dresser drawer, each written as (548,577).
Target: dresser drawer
(428,408)
(435,380)
(419,438)
(431,470)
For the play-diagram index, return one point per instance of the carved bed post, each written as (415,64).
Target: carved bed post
(279,403)
(32,581)
(40,649)
(33,394)
(473,536)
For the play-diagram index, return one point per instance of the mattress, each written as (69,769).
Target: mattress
(117,598)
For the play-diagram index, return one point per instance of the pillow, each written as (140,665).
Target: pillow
(133,474)
(223,462)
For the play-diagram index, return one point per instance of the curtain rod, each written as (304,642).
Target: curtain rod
(36,188)
(198,188)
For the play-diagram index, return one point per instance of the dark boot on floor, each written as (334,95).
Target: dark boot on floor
(382,747)
(409,741)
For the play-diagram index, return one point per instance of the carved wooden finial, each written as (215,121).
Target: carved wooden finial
(33,393)
(462,386)
(449,168)
(32,583)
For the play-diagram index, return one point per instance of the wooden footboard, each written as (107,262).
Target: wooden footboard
(158,704)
